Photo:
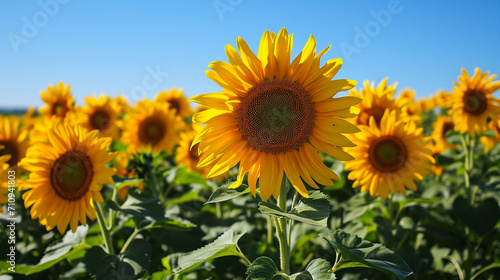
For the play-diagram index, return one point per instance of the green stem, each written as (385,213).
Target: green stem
(282,230)
(465,146)
(294,201)
(247,262)
(269,231)
(129,240)
(218,210)
(104,230)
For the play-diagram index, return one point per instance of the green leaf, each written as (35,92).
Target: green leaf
(130,265)
(488,211)
(313,210)
(19,268)
(225,245)
(187,197)
(356,252)
(263,268)
(71,244)
(184,177)
(139,204)
(317,269)
(121,182)
(223,193)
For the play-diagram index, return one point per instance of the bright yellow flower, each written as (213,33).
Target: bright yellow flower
(124,169)
(101,114)
(443,99)
(435,151)
(406,101)
(375,101)
(176,101)
(442,125)
(473,103)
(4,178)
(66,176)
(14,140)
(388,158)
(59,101)
(274,114)
(151,127)
(490,141)
(120,102)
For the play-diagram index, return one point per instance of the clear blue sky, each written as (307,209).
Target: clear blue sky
(111,47)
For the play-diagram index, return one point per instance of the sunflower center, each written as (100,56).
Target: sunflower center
(475,102)
(100,119)
(152,130)
(71,175)
(59,109)
(10,148)
(447,126)
(276,116)
(193,153)
(387,154)
(174,105)
(377,112)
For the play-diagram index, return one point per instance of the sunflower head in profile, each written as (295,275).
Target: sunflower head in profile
(388,157)
(375,101)
(151,126)
(13,139)
(176,101)
(99,114)
(67,174)
(59,100)
(473,103)
(489,142)
(442,125)
(273,115)
(4,178)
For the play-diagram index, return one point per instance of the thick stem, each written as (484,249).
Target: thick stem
(218,210)
(282,230)
(104,230)
(465,145)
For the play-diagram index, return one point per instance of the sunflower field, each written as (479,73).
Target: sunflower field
(285,173)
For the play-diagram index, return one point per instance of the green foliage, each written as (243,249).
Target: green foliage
(131,264)
(356,252)
(225,245)
(313,210)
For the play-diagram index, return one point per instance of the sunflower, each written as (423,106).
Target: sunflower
(473,103)
(272,116)
(120,102)
(66,176)
(59,101)
(490,141)
(176,101)
(435,151)
(442,125)
(151,127)
(101,114)
(13,139)
(406,101)
(443,99)
(4,176)
(375,101)
(125,169)
(390,157)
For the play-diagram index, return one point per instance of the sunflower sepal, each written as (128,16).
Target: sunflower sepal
(356,252)
(314,210)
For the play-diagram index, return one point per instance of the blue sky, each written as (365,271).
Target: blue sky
(138,48)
